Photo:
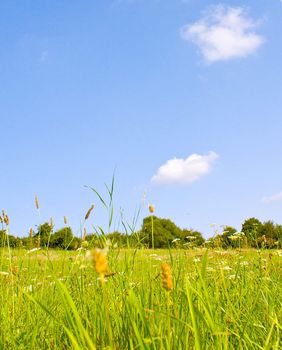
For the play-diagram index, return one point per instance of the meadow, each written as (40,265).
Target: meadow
(141,299)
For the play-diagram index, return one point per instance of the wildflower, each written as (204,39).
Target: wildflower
(29,288)
(210,269)
(89,212)
(233,277)
(151,208)
(4,273)
(166,276)
(33,250)
(175,240)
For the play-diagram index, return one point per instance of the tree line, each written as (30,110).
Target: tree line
(155,233)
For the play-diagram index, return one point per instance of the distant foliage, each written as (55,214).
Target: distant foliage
(166,234)
(43,235)
(6,239)
(63,239)
(253,234)
(262,235)
(164,231)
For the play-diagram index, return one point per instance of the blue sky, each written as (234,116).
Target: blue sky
(182,98)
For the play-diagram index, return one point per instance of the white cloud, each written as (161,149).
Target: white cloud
(224,33)
(274,198)
(185,170)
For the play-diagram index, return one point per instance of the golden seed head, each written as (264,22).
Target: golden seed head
(100,262)
(84,234)
(151,208)
(36,202)
(30,232)
(65,220)
(6,219)
(14,270)
(89,212)
(166,276)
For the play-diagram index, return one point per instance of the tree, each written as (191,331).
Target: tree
(43,235)
(165,231)
(252,230)
(6,239)
(227,237)
(192,238)
(63,238)
(278,231)
(118,239)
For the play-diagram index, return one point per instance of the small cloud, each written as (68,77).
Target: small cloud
(274,198)
(185,170)
(224,33)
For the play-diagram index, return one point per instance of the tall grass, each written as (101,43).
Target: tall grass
(218,301)
(139,298)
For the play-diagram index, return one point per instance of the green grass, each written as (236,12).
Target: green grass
(220,300)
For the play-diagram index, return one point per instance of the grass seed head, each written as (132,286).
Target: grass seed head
(100,262)
(151,208)
(89,212)
(166,277)
(84,234)
(6,219)
(65,220)
(36,202)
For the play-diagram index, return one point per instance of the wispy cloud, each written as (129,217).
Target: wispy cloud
(224,33)
(274,198)
(178,170)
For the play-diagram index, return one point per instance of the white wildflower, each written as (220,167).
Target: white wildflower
(4,273)
(33,250)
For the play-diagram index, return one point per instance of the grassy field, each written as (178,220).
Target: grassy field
(219,300)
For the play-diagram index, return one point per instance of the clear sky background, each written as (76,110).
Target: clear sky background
(182,98)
